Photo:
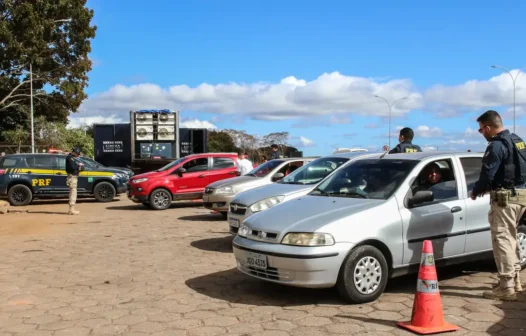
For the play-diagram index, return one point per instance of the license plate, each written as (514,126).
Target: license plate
(256,260)
(234,222)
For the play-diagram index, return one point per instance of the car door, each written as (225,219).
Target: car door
(442,221)
(478,235)
(222,168)
(60,176)
(41,171)
(195,178)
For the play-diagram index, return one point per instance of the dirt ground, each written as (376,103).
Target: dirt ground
(119,268)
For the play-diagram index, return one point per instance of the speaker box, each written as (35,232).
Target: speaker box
(144,132)
(165,132)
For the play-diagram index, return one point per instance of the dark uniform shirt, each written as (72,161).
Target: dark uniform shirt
(276,155)
(493,162)
(405,147)
(72,166)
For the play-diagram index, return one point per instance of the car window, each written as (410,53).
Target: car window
(472,167)
(265,168)
(314,171)
(438,177)
(171,164)
(290,167)
(223,163)
(61,163)
(367,178)
(196,165)
(44,162)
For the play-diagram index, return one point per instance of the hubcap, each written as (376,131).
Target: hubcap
(521,240)
(367,275)
(104,192)
(19,196)
(161,199)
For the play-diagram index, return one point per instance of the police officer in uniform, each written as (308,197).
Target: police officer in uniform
(73,168)
(503,175)
(276,153)
(405,145)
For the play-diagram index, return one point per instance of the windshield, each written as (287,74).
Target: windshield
(315,171)
(89,162)
(371,178)
(265,168)
(171,164)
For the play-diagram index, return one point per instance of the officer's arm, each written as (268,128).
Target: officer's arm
(490,164)
(74,164)
(395,150)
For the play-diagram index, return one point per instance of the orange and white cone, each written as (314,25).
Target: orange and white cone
(427,316)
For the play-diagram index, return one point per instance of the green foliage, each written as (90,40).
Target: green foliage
(220,142)
(36,32)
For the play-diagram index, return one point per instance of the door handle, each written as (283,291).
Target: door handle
(201,176)
(29,172)
(456,209)
(232,173)
(58,173)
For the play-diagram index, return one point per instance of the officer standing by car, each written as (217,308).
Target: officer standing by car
(276,153)
(405,146)
(503,175)
(73,168)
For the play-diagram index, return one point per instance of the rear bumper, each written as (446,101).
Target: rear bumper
(3,190)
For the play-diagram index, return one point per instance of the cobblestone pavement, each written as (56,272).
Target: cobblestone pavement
(121,269)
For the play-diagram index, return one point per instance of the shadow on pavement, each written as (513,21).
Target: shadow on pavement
(223,244)
(204,217)
(136,206)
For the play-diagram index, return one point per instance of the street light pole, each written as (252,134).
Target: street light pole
(514,79)
(390,109)
(31,99)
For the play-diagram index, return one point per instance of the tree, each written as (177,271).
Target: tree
(17,137)
(220,142)
(54,39)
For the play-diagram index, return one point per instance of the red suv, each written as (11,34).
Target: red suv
(182,179)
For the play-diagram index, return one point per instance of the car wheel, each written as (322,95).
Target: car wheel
(224,214)
(363,275)
(521,242)
(104,192)
(160,199)
(19,195)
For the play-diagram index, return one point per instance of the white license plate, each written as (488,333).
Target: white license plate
(256,260)
(234,222)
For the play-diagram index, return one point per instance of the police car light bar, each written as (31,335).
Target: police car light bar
(155,111)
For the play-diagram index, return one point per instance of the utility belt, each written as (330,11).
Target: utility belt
(502,197)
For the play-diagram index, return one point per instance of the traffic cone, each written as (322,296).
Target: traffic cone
(427,316)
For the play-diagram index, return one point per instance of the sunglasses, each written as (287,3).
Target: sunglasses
(482,129)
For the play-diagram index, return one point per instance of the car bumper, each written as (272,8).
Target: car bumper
(312,267)
(217,202)
(122,188)
(3,190)
(236,219)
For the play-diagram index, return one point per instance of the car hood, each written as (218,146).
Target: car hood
(252,196)
(148,175)
(308,213)
(233,181)
(111,170)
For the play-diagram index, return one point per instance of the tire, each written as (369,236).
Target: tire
(160,199)
(104,192)
(19,195)
(346,280)
(224,214)
(521,242)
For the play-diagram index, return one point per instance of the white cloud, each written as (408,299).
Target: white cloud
(330,94)
(428,149)
(78,121)
(478,94)
(304,142)
(428,132)
(196,123)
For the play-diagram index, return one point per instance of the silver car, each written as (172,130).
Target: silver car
(355,238)
(298,183)
(218,195)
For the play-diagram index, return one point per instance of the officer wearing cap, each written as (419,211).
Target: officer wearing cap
(405,145)
(276,153)
(503,175)
(73,168)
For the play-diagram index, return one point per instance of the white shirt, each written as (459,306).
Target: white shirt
(244,166)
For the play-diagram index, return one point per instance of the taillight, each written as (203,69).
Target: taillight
(2,171)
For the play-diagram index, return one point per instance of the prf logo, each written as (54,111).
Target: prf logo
(520,145)
(410,150)
(41,182)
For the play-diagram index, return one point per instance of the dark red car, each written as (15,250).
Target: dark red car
(182,179)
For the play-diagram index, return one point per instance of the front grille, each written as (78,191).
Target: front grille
(234,229)
(270,273)
(209,190)
(261,235)
(238,209)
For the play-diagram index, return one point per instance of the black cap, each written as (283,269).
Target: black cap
(273,146)
(76,150)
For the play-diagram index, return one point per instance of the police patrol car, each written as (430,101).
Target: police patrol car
(24,177)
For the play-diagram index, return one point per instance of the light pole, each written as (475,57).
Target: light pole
(31,96)
(514,79)
(390,107)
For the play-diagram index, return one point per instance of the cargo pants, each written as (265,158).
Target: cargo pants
(503,224)
(72,183)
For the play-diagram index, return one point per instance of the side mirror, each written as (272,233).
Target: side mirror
(420,197)
(278,176)
(179,171)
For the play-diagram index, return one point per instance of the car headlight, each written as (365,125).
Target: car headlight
(266,203)
(141,180)
(225,190)
(243,230)
(308,239)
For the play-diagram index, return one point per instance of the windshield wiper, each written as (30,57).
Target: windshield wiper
(250,174)
(351,193)
(324,193)
(292,182)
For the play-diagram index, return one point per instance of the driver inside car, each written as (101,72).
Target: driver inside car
(430,176)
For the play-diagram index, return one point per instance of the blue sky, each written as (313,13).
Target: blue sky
(428,52)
